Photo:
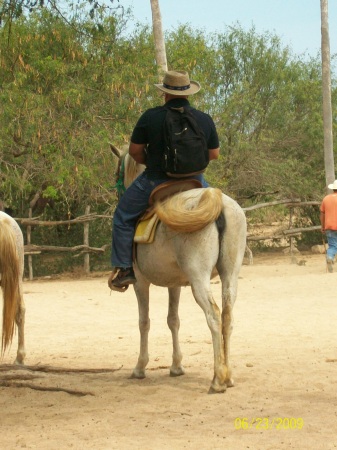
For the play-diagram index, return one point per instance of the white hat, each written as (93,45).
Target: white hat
(333,186)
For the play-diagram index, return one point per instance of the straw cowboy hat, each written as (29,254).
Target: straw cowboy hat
(333,186)
(178,83)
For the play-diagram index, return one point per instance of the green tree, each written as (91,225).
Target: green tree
(267,106)
(66,95)
(70,88)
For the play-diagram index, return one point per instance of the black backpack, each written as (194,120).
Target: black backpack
(186,151)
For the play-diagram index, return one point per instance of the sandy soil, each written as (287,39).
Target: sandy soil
(284,358)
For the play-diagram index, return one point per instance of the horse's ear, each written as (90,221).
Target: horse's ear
(115,150)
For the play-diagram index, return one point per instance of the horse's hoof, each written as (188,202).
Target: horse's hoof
(217,389)
(214,391)
(138,375)
(177,372)
(19,360)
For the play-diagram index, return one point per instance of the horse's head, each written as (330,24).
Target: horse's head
(127,169)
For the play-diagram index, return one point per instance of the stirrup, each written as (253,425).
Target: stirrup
(112,276)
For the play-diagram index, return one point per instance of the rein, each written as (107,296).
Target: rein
(119,186)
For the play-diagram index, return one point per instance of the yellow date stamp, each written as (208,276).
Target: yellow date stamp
(269,423)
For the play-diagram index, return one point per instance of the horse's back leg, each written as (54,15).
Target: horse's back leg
(20,322)
(142,290)
(228,266)
(229,289)
(173,323)
(202,292)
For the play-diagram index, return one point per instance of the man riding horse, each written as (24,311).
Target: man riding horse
(147,147)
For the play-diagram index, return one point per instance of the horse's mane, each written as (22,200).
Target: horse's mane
(193,212)
(131,168)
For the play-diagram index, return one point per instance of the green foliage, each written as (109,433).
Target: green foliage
(66,95)
(267,107)
(69,87)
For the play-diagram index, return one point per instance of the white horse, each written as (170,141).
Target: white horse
(189,249)
(11,270)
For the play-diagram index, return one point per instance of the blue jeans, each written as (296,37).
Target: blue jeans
(331,236)
(131,206)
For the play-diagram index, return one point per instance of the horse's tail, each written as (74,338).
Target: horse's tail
(10,281)
(189,214)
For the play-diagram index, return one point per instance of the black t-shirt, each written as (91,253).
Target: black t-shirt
(149,130)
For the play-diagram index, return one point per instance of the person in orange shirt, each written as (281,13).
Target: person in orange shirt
(328,218)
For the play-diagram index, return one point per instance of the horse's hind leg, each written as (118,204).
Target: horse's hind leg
(173,323)
(142,291)
(228,299)
(229,275)
(203,296)
(20,322)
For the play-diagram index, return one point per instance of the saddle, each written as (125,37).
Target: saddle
(146,226)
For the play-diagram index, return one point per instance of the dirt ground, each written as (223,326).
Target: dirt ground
(284,358)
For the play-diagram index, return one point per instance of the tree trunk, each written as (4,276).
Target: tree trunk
(158,37)
(326,90)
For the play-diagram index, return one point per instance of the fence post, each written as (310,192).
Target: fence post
(29,239)
(291,212)
(86,266)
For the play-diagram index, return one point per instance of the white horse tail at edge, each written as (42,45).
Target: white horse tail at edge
(11,269)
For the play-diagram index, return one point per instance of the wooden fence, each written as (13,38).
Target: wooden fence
(31,250)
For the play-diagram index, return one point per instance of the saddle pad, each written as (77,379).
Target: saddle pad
(145,230)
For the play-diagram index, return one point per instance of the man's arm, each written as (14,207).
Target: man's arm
(137,152)
(213,153)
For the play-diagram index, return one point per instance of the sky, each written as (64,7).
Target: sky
(296,22)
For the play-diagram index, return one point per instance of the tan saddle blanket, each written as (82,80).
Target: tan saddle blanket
(147,224)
